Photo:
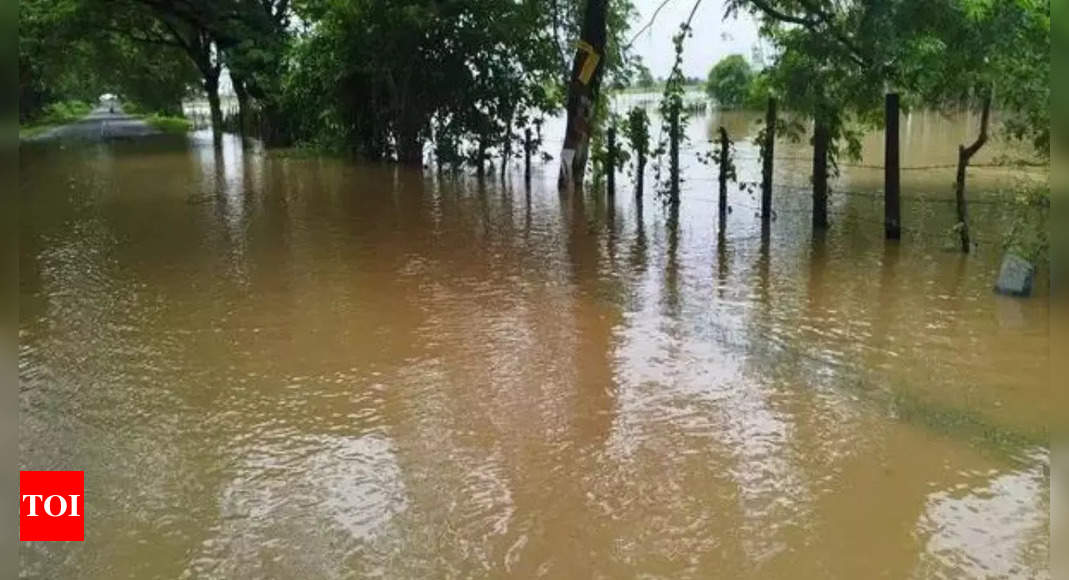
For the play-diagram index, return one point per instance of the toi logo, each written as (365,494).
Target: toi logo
(51,506)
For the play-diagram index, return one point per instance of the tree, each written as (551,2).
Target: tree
(155,79)
(249,38)
(379,78)
(583,87)
(382,79)
(190,27)
(976,54)
(730,81)
(73,49)
(942,53)
(55,62)
(254,44)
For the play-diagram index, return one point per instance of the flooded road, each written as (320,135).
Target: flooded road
(295,367)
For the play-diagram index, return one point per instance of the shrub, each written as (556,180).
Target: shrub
(1027,236)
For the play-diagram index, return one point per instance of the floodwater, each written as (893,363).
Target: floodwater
(280,366)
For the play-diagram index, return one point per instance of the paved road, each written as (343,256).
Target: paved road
(100,125)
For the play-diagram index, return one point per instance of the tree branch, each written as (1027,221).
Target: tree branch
(692,11)
(813,23)
(782,16)
(177,36)
(649,23)
(985,117)
(828,21)
(556,39)
(128,33)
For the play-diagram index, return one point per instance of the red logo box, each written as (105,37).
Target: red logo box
(52,506)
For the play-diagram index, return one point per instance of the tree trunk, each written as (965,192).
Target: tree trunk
(243,103)
(892,219)
(965,154)
(211,86)
(272,128)
(410,148)
(480,167)
(820,171)
(506,147)
(527,154)
(582,96)
(766,165)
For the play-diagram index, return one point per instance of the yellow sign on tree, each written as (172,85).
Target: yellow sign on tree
(590,63)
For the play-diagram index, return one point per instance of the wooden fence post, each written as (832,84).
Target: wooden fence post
(725,145)
(892,219)
(766,168)
(673,156)
(820,170)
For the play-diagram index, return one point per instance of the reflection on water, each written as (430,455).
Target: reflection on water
(302,367)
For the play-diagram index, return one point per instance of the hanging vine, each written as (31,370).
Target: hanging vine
(675,116)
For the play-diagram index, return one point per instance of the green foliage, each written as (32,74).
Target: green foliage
(78,49)
(1027,236)
(937,53)
(810,77)
(637,132)
(377,78)
(962,49)
(155,79)
(730,81)
(55,64)
(58,113)
(759,91)
(675,116)
(64,112)
(382,78)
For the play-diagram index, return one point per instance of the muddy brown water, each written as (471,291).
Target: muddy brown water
(280,366)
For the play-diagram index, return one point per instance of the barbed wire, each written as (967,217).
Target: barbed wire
(841,212)
(906,168)
(874,194)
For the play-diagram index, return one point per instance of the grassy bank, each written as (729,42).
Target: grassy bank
(53,115)
(168,124)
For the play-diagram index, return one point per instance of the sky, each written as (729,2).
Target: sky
(713,39)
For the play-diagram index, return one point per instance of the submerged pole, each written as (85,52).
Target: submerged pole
(610,162)
(820,170)
(725,145)
(527,154)
(766,166)
(673,155)
(892,219)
